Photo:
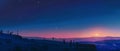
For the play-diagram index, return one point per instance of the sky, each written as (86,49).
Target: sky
(61,18)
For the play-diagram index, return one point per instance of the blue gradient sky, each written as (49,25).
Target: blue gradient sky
(36,16)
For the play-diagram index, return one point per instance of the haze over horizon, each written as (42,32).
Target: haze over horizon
(61,18)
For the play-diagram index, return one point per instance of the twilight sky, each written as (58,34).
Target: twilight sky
(61,18)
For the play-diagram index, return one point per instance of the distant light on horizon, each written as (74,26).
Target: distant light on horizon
(92,32)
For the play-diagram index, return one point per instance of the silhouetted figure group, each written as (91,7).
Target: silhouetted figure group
(79,47)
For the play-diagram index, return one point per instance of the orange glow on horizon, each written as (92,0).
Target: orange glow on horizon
(92,32)
(97,35)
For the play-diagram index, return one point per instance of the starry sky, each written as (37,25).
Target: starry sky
(61,18)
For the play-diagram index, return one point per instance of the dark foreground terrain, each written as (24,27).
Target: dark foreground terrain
(10,42)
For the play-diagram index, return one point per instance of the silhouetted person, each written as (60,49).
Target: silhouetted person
(77,45)
(70,43)
(64,41)
(53,38)
(11,33)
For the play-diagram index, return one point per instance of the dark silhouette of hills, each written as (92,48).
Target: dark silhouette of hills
(12,42)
